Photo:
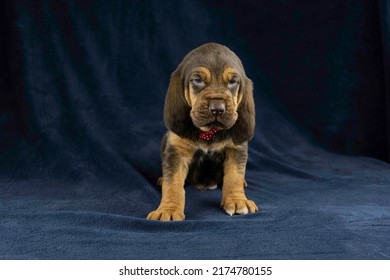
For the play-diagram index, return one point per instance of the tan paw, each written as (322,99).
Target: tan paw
(166,214)
(239,206)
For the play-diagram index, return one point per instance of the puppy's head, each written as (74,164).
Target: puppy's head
(209,89)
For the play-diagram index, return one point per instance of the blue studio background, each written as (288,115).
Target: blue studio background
(82,89)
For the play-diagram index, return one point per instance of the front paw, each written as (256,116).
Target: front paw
(166,214)
(239,206)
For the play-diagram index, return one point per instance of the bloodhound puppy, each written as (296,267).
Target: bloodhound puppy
(210,115)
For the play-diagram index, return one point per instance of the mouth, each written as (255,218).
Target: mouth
(214,124)
(204,120)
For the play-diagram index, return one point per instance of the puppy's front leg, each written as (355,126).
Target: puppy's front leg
(176,157)
(234,200)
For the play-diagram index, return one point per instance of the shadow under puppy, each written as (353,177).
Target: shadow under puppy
(210,115)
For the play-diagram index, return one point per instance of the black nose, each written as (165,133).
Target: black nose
(217,108)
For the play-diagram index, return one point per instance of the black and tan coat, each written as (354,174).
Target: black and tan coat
(210,115)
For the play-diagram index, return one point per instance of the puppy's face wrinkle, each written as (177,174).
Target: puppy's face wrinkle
(205,87)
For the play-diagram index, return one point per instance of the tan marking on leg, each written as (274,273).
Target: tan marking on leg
(234,200)
(173,195)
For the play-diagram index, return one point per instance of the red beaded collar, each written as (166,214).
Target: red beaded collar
(208,135)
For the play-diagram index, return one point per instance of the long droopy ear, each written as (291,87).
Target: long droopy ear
(176,110)
(244,128)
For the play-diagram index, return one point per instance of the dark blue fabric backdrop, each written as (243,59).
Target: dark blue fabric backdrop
(82,90)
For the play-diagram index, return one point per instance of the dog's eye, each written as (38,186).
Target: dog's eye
(232,83)
(198,82)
